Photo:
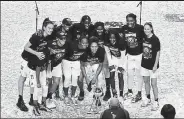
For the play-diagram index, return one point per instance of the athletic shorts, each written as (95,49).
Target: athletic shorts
(24,69)
(147,72)
(57,71)
(133,61)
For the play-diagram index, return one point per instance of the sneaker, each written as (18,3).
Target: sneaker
(155,106)
(57,97)
(74,101)
(136,98)
(50,104)
(43,107)
(36,111)
(128,95)
(67,101)
(31,102)
(146,102)
(21,105)
(81,96)
(107,95)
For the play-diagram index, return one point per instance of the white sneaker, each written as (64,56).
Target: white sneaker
(67,101)
(50,104)
(155,106)
(146,102)
(74,101)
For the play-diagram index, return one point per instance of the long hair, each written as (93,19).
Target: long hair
(149,24)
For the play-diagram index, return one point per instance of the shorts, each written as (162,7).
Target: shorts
(133,61)
(24,70)
(57,71)
(71,71)
(147,72)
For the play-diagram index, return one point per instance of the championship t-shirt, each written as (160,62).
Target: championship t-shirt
(133,38)
(75,52)
(96,58)
(118,113)
(150,48)
(39,44)
(57,52)
(114,50)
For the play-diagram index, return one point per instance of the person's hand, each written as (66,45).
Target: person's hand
(93,81)
(154,69)
(38,85)
(121,69)
(111,68)
(40,55)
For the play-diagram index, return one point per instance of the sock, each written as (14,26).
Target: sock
(65,91)
(107,84)
(148,96)
(156,100)
(121,93)
(139,93)
(20,97)
(74,90)
(31,97)
(130,90)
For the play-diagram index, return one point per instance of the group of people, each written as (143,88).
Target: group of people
(79,53)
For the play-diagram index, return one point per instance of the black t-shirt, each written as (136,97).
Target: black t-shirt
(150,48)
(114,50)
(102,38)
(59,51)
(97,58)
(118,113)
(75,52)
(133,38)
(39,44)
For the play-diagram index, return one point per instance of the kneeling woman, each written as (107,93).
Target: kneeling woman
(71,67)
(116,59)
(92,64)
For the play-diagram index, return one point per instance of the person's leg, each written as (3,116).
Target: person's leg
(121,83)
(112,79)
(130,78)
(107,82)
(31,96)
(81,86)
(155,105)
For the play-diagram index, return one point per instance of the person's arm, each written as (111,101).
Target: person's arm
(156,61)
(99,69)
(38,76)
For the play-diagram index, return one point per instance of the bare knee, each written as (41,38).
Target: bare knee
(154,83)
(146,79)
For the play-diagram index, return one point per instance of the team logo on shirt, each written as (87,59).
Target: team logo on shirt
(93,60)
(59,53)
(147,52)
(41,46)
(115,52)
(76,55)
(131,39)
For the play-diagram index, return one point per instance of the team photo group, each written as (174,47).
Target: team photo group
(62,58)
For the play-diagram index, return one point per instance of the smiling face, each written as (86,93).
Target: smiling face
(112,39)
(99,30)
(130,22)
(66,28)
(147,30)
(48,29)
(86,24)
(84,43)
(94,47)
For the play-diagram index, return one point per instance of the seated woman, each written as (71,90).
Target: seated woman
(92,64)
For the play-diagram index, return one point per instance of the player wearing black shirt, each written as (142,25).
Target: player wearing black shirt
(150,64)
(102,36)
(72,69)
(133,34)
(58,48)
(37,52)
(116,59)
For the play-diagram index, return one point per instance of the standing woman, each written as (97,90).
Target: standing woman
(102,35)
(72,69)
(150,65)
(116,59)
(37,50)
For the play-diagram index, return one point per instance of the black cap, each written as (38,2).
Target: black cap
(67,21)
(61,35)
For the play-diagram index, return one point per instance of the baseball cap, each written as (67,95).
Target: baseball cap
(67,21)
(61,35)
